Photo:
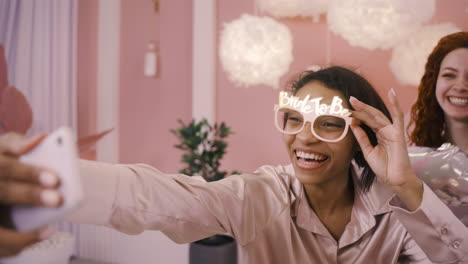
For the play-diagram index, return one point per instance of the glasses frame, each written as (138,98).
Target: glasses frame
(311,117)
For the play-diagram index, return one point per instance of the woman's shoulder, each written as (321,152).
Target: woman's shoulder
(421,156)
(419,149)
(444,148)
(280,174)
(278,179)
(445,154)
(276,171)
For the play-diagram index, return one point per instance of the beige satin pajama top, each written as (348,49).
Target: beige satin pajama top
(269,215)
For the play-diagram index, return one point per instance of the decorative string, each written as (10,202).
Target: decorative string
(327,46)
(255,8)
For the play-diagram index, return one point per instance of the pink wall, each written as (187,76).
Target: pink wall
(249,110)
(149,107)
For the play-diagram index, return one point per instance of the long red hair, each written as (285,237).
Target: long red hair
(426,114)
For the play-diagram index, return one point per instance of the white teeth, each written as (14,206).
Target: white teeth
(304,155)
(458,100)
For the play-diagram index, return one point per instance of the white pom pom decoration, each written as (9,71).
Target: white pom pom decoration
(255,50)
(410,56)
(380,24)
(293,8)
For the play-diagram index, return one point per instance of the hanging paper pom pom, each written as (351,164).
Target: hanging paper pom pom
(410,56)
(293,8)
(375,24)
(255,50)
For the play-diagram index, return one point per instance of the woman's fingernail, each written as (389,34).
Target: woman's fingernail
(46,178)
(46,233)
(50,198)
(392,92)
(353,98)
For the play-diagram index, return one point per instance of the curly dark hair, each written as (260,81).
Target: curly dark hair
(426,114)
(349,84)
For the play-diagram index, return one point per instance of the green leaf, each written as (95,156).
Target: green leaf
(212,139)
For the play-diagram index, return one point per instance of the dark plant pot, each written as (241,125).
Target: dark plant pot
(218,249)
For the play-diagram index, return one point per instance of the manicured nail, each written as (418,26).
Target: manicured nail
(353,98)
(46,178)
(50,198)
(46,233)
(392,92)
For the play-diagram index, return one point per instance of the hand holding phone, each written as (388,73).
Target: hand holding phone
(57,152)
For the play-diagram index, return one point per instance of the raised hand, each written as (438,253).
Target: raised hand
(389,158)
(22,184)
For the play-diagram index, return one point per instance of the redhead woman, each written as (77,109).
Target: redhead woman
(440,119)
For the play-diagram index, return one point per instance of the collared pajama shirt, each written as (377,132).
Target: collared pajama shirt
(268,214)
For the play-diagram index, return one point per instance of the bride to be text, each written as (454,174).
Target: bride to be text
(307,105)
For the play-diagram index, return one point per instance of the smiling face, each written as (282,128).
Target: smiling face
(452,85)
(315,161)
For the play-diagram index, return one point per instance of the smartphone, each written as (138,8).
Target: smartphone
(58,151)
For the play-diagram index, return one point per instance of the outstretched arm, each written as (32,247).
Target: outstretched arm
(137,197)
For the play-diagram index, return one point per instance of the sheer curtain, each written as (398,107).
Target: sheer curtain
(40,39)
(40,48)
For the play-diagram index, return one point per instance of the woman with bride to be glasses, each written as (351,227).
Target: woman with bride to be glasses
(348,196)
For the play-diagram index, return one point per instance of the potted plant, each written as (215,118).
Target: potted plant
(204,146)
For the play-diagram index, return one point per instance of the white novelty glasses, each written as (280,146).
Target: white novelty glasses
(329,123)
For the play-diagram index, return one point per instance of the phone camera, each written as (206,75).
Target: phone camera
(59,140)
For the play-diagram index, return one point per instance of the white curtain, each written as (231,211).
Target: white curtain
(40,47)
(40,39)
